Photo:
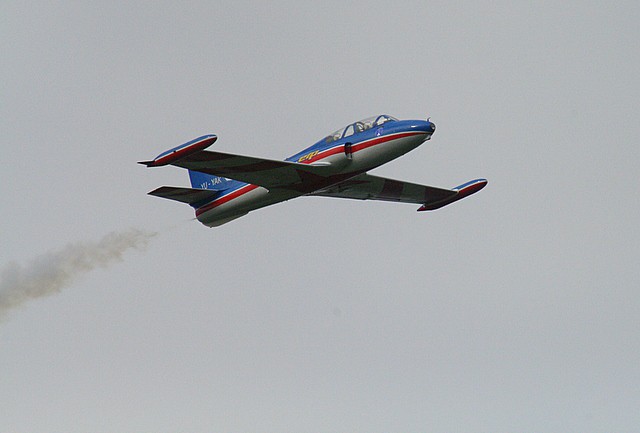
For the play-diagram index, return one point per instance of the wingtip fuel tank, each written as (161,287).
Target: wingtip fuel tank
(179,152)
(462,191)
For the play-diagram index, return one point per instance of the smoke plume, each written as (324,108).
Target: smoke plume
(50,273)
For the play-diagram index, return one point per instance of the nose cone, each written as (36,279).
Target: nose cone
(431,127)
(426,126)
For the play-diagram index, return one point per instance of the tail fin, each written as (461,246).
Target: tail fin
(206,181)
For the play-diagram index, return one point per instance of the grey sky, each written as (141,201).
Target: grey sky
(517,309)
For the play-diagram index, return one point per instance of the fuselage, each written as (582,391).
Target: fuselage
(350,151)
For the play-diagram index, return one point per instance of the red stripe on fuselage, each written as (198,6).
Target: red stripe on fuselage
(226,198)
(361,146)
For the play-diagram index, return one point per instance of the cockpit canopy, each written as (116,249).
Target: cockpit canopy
(361,125)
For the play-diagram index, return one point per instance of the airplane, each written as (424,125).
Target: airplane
(226,186)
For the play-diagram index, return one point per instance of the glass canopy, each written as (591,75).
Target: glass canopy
(359,126)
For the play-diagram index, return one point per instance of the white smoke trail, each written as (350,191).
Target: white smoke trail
(50,273)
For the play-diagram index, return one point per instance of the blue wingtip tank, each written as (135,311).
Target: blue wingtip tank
(178,152)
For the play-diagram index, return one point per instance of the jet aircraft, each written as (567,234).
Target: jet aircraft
(225,186)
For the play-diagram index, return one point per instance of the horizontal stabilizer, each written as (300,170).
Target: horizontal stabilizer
(190,196)
(461,191)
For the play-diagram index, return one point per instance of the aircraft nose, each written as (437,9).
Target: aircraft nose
(431,127)
(426,126)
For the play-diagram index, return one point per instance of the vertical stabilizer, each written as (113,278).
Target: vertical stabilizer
(207,181)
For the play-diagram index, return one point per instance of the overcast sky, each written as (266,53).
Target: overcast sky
(517,309)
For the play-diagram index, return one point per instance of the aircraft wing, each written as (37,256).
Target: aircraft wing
(258,171)
(369,187)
